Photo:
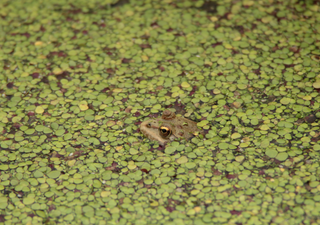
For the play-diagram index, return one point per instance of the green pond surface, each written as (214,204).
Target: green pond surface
(78,77)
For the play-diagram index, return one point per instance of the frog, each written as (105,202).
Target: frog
(169,127)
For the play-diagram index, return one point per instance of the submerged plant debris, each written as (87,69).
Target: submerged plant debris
(78,77)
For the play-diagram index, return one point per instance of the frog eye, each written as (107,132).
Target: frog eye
(149,125)
(165,132)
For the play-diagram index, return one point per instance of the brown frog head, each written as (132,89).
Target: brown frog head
(169,127)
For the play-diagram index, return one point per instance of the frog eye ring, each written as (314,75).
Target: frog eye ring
(165,132)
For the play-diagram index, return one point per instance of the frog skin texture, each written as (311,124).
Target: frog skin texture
(169,127)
